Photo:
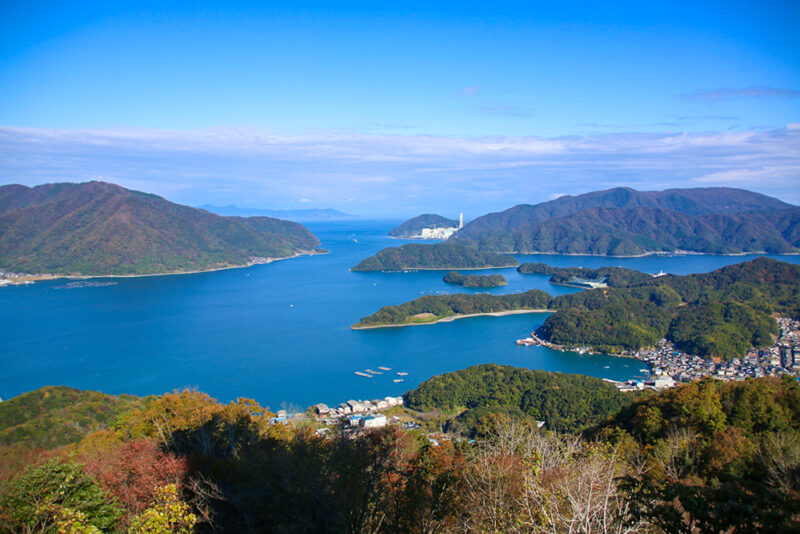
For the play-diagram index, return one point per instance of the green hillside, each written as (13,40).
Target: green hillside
(98,228)
(625,222)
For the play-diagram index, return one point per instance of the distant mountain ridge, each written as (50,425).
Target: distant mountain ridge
(413,227)
(315,214)
(624,222)
(97,228)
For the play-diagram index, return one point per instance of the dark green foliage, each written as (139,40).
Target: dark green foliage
(721,455)
(413,227)
(567,403)
(54,416)
(726,330)
(442,256)
(624,222)
(722,313)
(34,499)
(435,307)
(99,228)
(474,280)
(612,276)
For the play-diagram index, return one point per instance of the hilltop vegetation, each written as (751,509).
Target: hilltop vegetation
(56,415)
(707,456)
(413,227)
(432,308)
(440,256)
(98,228)
(475,280)
(567,403)
(625,222)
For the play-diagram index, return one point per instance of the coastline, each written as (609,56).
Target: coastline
(412,269)
(452,318)
(655,253)
(27,279)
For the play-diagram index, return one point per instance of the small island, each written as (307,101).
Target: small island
(474,280)
(435,257)
(437,308)
(428,226)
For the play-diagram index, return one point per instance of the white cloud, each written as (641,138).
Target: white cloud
(305,200)
(477,174)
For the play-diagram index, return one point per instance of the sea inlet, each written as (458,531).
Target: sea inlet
(280,333)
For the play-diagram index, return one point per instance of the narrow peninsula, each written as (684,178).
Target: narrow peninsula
(436,308)
(435,257)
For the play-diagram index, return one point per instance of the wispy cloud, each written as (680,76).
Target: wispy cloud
(760,91)
(397,174)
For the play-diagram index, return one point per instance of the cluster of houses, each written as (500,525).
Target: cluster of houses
(670,366)
(357,407)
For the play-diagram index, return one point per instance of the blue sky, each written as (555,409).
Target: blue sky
(397,110)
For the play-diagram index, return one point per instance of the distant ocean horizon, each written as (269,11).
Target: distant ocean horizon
(280,333)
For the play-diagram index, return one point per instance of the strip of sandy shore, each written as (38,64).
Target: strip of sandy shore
(454,318)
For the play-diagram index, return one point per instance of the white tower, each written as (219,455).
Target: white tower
(461,220)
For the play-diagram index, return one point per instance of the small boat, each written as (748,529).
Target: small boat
(385,368)
(397,380)
(359,373)
(402,373)
(370,371)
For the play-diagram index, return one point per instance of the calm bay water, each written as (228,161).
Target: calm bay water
(279,333)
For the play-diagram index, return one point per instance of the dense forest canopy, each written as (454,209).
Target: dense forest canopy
(707,456)
(569,403)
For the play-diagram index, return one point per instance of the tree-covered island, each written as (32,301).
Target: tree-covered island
(474,280)
(443,256)
(720,314)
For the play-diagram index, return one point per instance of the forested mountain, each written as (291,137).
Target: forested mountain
(414,226)
(98,228)
(439,256)
(626,222)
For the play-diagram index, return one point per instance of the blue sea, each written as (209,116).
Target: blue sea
(280,333)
